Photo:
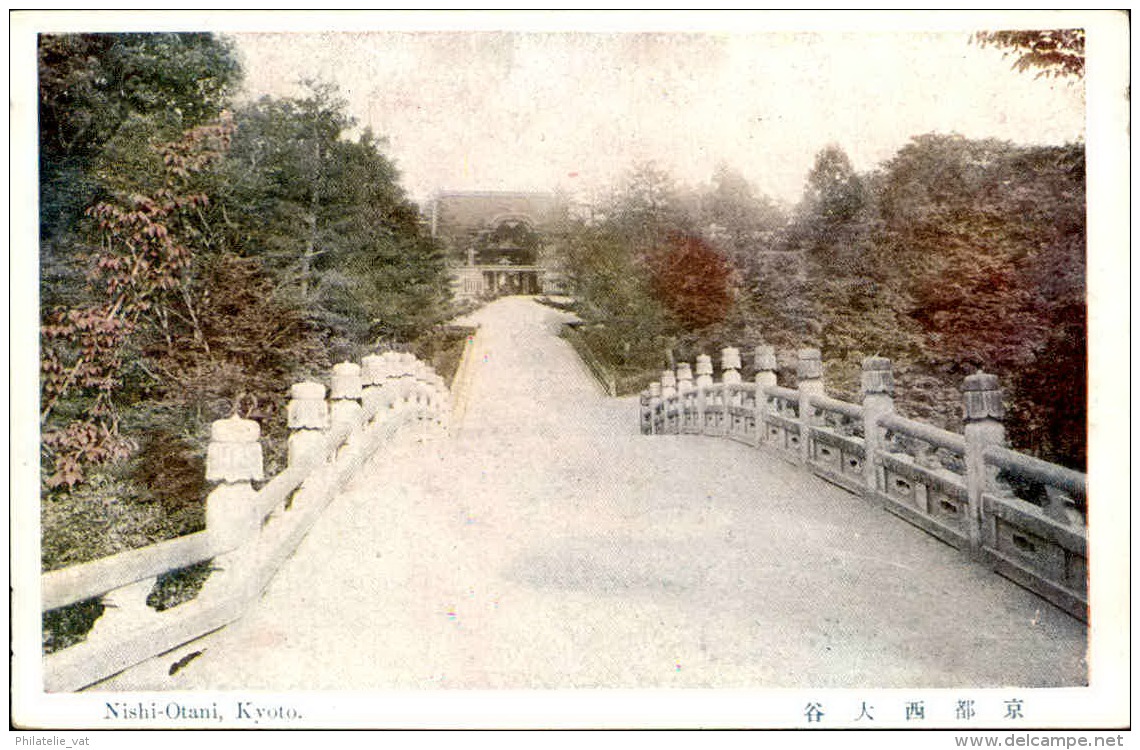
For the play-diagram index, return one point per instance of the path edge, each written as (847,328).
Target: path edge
(461,382)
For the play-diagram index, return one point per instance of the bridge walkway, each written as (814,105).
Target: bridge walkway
(549,545)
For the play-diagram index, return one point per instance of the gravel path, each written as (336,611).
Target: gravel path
(547,544)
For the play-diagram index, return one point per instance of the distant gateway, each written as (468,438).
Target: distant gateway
(497,242)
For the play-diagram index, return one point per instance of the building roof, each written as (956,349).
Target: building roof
(457,214)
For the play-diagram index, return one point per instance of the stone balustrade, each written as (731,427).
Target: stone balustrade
(252,525)
(969,490)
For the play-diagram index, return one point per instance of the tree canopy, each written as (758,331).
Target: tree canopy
(99,93)
(194,259)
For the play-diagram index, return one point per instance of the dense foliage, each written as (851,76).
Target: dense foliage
(329,220)
(196,258)
(955,255)
(104,96)
(137,278)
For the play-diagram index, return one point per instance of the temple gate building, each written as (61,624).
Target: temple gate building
(498,242)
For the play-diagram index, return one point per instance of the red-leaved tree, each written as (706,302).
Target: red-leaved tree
(693,281)
(140,260)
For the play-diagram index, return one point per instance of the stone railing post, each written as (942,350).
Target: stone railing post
(984,415)
(730,364)
(374,378)
(402,375)
(764,358)
(730,374)
(809,381)
(432,397)
(419,383)
(878,387)
(684,388)
(704,372)
(684,377)
(308,416)
(669,399)
(234,460)
(730,393)
(421,370)
(346,393)
(654,402)
(646,414)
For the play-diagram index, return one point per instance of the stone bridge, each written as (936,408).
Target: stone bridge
(548,544)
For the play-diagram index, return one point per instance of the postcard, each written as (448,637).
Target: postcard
(564,370)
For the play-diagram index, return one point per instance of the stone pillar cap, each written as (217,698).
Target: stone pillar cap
(878,377)
(876,363)
(809,364)
(308,391)
(234,453)
(235,430)
(764,356)
(730,358)
(980,381)
(375,368)
(346,381)
(981,398)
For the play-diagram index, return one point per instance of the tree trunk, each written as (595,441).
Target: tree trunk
(314,204)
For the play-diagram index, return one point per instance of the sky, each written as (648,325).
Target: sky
(521,110)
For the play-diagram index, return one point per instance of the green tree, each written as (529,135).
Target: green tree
(646,278)
(737,219)
(329,218)
(609,261)
(647,208)
(279,173)
(733,204)
(614,293)
(188,269)
(97,91)
(834,192)
(990,244)
(135,278)
(971,219)
(127,129)
(395,276)
(848,302)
